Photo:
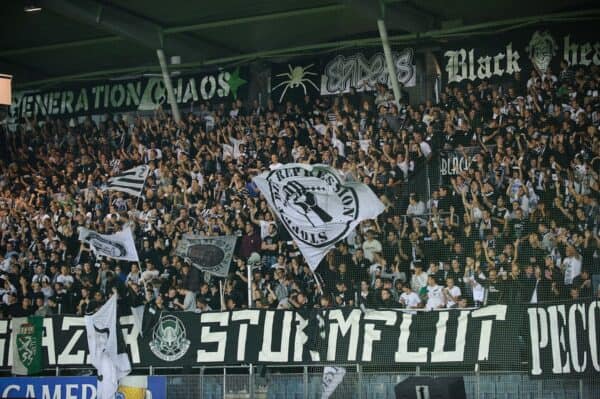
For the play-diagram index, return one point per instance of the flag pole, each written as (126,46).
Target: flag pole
(249,273)
(317,281)
(222,295)
(141,194)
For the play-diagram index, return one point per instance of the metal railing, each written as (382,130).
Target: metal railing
(306,383)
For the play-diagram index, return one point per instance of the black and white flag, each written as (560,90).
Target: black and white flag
(209,254)
(332,377)
(130,181)
(119,246)
(317,206)
(106,355)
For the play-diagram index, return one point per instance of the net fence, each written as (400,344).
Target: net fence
(371,385)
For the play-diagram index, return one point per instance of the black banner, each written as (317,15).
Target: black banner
(454,162)
(339,72)
(448,338)
(563,339)
(129,94)
(521,50)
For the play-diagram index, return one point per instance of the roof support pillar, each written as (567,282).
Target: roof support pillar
(169,86)
(389,60)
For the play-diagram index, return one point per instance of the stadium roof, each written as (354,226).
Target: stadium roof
(85,39)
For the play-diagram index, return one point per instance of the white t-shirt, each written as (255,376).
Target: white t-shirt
(478,290)
(572,268)
(65,280)
(435,297)
(418,281)
(425,148)
(454,292)
(410,300)
(274,166)
(370,247)
(264,228)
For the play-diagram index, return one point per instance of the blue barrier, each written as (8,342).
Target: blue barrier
(65,387)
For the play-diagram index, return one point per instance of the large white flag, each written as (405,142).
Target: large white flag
(119,246)
(106,355)
(317,205)
(130,181)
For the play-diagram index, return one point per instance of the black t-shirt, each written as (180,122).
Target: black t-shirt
(271,239)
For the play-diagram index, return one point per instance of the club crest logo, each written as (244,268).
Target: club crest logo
(26,344)
(541,49)
(169,340)
(314,204)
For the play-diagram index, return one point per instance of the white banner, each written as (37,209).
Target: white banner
(317,206)
(118,246)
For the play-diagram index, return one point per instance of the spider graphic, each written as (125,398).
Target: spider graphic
(295,77)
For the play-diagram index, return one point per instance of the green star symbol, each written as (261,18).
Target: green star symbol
(235,81)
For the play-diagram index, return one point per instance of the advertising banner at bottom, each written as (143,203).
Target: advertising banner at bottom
(132,387)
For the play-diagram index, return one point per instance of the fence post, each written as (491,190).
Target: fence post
(151,370)
(360,381)
(418,371)
(57,371)
(305,382)
(224,382)
(580,388)
(202,381)
(251,381)
(477,382)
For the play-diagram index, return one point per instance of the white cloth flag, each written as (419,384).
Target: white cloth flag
(101,330)
(138,317)
(116,246)
(130,181)
(317,206)
(332,377)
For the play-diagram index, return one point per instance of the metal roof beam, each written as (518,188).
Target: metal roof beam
(253,19)
(403,15)
(505,24)
(180,29)
(122,24)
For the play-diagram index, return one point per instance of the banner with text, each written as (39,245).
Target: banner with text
(455,161)
(81,387)
(338,73)
(564,339)
(449,338)
(144,93)
(521,50)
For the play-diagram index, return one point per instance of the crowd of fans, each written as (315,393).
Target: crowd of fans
(519,225)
